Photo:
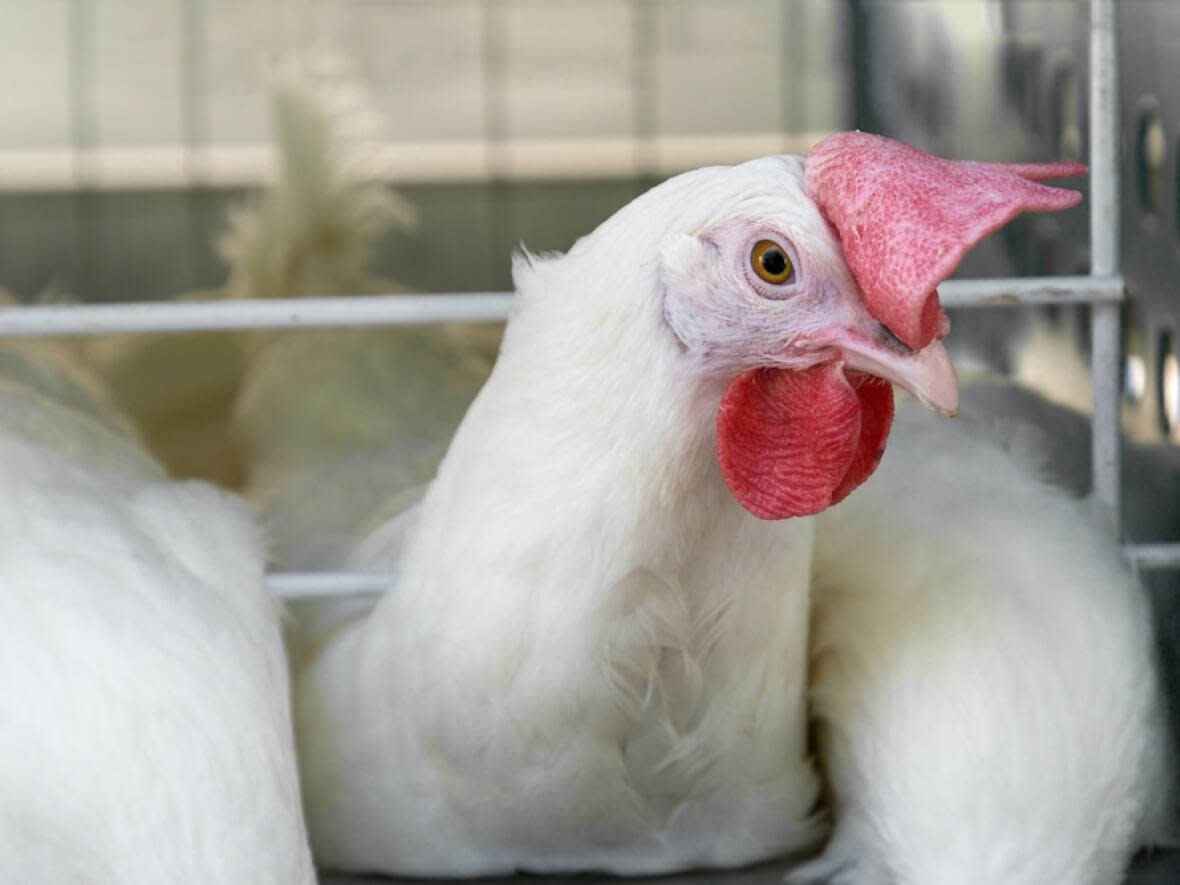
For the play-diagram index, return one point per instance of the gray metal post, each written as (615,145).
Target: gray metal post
(1105,325)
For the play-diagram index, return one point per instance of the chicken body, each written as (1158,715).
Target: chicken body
(983,673)
(145,731)
(471,730)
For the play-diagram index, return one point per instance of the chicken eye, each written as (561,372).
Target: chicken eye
(771,262)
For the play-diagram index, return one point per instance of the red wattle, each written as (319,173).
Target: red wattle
(876,418)
(793,443)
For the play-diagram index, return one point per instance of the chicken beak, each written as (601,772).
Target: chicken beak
(926,374)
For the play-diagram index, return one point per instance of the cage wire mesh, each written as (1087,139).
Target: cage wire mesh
(511,120)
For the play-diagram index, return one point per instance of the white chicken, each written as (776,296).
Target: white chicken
(311,412)
(145,728)
(323,418)
(593,657)
(310,232)
(983,675)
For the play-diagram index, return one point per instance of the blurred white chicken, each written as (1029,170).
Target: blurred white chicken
(332,451)
(310,232)
(593,658)
(145,728)
(321,414)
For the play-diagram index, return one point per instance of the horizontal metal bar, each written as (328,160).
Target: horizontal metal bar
(472,307)
(294,586)
(1153,556)
(322,585)
(304,313)
(1031,290)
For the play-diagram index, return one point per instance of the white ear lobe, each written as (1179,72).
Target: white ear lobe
(688,272)
(531,269)
(686,259)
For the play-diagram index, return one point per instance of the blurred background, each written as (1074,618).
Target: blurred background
(130,128)
(130,123)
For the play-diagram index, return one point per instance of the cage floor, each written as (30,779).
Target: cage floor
(1158,868)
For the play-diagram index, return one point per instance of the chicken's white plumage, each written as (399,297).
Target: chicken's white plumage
(982,674)
(565,676)
(145,731)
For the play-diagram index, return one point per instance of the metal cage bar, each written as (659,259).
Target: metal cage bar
(1153,556)
(1105,319)
(295,586)
(236,315)
(1103,290)
(473,307)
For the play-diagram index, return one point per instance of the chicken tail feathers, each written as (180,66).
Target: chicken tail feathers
(312,232)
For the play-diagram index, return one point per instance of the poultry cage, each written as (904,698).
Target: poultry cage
(530,121)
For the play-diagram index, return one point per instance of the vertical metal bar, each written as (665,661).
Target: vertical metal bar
(858,61)
(1105,319)
(503,230)
(793,67)
(194,126)
(644,98)
(194,118)
(84,136)
(83,102)
(494,61)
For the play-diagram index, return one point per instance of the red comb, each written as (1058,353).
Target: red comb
(906,219)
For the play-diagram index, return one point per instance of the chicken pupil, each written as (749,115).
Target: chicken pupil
(774,262)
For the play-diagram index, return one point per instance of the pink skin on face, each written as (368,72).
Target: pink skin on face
(805,419)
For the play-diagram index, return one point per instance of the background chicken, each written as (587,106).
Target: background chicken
(145,730)
(978,645)
(340,428)
(310,232)
(320,416)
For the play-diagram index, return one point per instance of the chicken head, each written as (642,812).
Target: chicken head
(816,289)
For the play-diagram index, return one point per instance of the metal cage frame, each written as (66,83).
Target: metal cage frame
(1103,290)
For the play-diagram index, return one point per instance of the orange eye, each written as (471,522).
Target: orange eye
(771,262)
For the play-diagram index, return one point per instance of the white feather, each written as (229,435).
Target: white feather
(145,731)
(983,674)
(593,658)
